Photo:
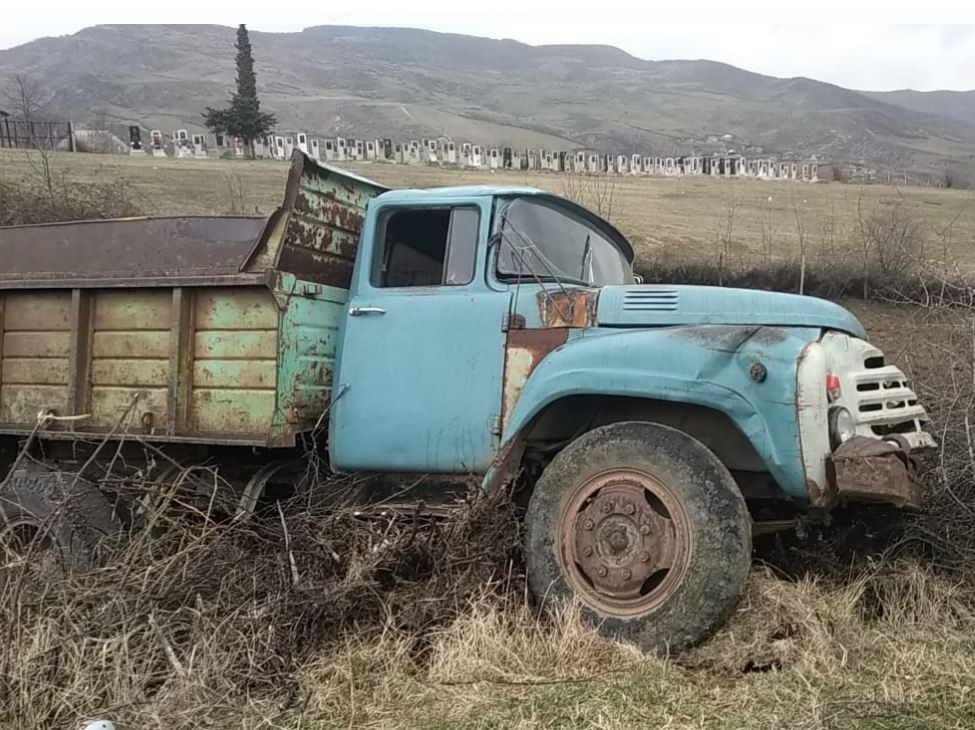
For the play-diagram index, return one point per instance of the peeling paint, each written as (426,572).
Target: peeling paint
(570,308)
(524,350)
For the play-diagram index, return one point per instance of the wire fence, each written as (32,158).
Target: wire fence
(19,133)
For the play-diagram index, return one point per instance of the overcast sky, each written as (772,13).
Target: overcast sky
(858,54)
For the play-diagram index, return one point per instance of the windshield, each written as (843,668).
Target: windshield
(541,240)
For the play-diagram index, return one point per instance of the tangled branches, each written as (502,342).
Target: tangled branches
(194,615)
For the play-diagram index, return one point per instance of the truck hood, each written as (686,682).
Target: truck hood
(651,305)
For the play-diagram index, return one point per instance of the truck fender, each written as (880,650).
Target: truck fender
(747,373)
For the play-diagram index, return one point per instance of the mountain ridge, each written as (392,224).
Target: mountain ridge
(410,83)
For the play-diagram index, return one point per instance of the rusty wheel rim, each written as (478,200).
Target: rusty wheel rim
(624,542)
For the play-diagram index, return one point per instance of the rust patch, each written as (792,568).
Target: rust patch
(525,349)
(572,308)
(506,465)
(872,470)
(324,211)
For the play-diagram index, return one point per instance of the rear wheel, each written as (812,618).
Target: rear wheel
(44,511)
(646,528)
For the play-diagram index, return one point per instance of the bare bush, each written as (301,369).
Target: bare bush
(890,244)
(29,100)
(882,254)
(596,192)
(195,615)
(957,177)
(47,195)
(98,142)
(236,194)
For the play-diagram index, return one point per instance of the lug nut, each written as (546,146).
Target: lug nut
(589,524)
(644,529)
(644,557)
(626,574)
(607,507)
(587,550)
(602,571)
(629,508)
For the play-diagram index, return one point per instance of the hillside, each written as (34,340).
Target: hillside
(402,82)
(958,105)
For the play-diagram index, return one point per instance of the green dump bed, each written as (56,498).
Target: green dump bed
(217,330)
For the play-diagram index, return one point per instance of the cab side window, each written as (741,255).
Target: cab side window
(427,247)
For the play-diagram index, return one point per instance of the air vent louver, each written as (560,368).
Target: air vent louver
(650,300)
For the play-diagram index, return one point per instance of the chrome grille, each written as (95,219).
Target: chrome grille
(884,397)
(877,394)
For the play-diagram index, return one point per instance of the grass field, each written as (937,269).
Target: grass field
(690,217)
(233,637)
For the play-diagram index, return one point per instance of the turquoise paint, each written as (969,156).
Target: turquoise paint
(418,388)
(706,366)
(660,306)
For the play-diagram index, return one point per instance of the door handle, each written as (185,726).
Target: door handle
(359,311)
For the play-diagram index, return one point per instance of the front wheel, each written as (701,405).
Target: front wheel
(646,528)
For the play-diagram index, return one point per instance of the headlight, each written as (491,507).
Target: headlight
(841,426)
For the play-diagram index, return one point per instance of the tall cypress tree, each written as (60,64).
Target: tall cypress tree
(243,118)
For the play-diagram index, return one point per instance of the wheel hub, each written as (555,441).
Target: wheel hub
(622,546)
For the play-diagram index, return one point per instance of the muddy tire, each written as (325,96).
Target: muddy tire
(646,528)
(50,511)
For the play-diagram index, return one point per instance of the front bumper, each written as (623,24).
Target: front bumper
(871,470)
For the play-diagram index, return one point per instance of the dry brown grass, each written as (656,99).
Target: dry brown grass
(384,625)
(44,192)
(806,654)
(695,218)
(194,617)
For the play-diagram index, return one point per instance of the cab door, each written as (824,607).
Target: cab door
(421,353)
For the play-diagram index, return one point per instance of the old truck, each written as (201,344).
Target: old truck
(497,333)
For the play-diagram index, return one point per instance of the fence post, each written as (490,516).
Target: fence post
(71,143)
(802,274)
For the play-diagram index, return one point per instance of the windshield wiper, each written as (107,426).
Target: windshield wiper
(586,258)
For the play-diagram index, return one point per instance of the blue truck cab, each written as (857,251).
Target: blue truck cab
(501,332)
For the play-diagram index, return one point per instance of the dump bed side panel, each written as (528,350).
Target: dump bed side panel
(130,367)
(220,365)
(35,347)
(233,388)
